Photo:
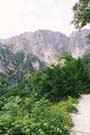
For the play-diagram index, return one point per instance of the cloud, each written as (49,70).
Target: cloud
(17,16)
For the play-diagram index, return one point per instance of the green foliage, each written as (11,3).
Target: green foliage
(56,81)
(39,118)
(3,85)
(67,57)
(81,11)
(42,104)
(86,62)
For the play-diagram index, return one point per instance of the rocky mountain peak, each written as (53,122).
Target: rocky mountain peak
(23,54)
(79,42)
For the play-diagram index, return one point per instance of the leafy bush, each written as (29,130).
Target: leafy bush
(42,105)
(60,81)
(20,117)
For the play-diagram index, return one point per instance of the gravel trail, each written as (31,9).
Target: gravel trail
(81,120)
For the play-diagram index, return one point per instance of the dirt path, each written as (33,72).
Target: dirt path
(81,120)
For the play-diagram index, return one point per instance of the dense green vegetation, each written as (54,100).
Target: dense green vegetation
(86,62)
(81,11)
(42,104)
(56,82)
(4,84)
(23,117)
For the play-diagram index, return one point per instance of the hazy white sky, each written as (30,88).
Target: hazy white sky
(17,16)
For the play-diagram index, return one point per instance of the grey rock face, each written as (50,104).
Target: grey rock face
(16,65)
(79,42)
(45,44)
(27,52)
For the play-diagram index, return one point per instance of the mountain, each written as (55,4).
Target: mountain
(45,44)
(79,42)
(16,65)
(23,54)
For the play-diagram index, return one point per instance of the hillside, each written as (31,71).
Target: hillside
(79,42)
(17,65)
(21,55)
(45,44)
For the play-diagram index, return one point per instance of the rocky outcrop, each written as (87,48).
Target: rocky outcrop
(21,55)
(16,65)
(45,44)
(79,42)
(48,45)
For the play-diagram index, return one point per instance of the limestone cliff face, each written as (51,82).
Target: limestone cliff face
(45,44)
(79,42)
(21,55)
(48,45)
(17,65)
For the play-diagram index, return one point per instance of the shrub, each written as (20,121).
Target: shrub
(42,119)
(56,82)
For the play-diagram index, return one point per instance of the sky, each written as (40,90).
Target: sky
(18,16)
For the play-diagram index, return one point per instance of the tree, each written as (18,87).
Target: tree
(60,81)
(4,82)
(81,11)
